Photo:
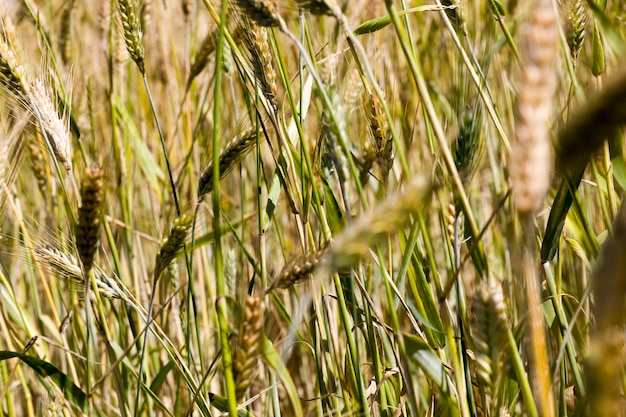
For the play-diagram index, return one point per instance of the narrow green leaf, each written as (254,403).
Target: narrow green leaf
(274,361)
(424,357)
(560,207)
(45,369)
(221,404)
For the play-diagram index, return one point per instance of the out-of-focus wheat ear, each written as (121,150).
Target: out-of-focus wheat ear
(366,163)
(187,6)
(133,35)
(173,243)
(65,31)
(88,228)
(261,12)
(145,14)
(232,154)
(12,74)
(54,127)
(576,27)
(37,164)
(355,241)
(249,344)
(258,45)
(316,7)
(383,143)
(206,49)
(604,371)
(489,334)
(299,268)
(590,126)
(530,162)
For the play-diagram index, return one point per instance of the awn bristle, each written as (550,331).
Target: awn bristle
(11,72)
(54,127)
(173,243)
(232,154)
(383,143)
(131,27)
(531,151)
(355,241)
(249,344)
(261,58)
(88,229)
(262,12)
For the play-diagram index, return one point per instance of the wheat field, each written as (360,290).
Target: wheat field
(312,208)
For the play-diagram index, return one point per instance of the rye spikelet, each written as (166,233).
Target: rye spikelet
(489,334)
(261,59)
(232,154)
(172,244)
(576,27)
(262,12)
(88,228)
(531,153)
(299,268)
(355,241)
(249,344)
(131,28)
(383,143)
(11,72)
(54,127)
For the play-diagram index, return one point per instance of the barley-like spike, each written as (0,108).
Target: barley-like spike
(249,344)
(530,163)
(67,266)
(232,154)
(261,59)
(206,49)
(299,268)
(383,143)
(354,242)
(88,228)
(173,243)
(467,147)
(11,72)
(131,27)
(262,12)
(576,27)
(55,128)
